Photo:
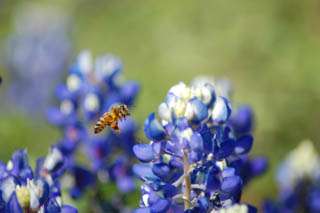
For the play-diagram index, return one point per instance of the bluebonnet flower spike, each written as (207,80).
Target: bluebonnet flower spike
(298,181)
(25,190)
(194,161)
(93,87)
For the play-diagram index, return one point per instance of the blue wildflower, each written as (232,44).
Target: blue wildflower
(189,164)
(91,88)
(299,182)
(25,190)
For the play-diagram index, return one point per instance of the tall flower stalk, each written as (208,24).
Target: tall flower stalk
(197,155)
(187,181)
(91,89)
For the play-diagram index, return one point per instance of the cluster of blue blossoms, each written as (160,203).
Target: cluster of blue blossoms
(197,158)
(299,182)
(25,190)
(91,88)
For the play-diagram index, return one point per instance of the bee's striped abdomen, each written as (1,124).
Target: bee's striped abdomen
(104,120)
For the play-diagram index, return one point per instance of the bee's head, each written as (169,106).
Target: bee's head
(125,109)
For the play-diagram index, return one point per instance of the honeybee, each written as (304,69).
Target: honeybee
(111,118)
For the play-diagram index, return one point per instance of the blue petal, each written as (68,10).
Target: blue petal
(211,88)
(162,170)
(2,203)
(228,172)
(196,143)
(243,119)
(231,185)
(44,186)
(129,92)
(144,152)
(21,166)
(66,146)
(153,129)
(63,93)
(176,163)
(153,197)
(169,190)
(56,159)
(13,205)
(98,150)
(172,148)
(244,144)
(144,171)
(270,207)
(83,179)
(195,156)
(182,123)
(224,150)
(75,132)
(221,110)
(52,206)
(252,209)
(55,116)
(161,206)
(142,210)
(203,203)
(258,165)
(127,126)
(314,200)
(212,181)
(125,184)
(113,98)
(157,147)
(199,111)
(75,192)
(68,209)
(75,69)
(207,136)
(108,68)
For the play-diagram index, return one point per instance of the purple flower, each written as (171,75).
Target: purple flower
(91,89)
(298,181)
(23,189)
(189,165)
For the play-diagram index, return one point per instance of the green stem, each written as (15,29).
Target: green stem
(187,181)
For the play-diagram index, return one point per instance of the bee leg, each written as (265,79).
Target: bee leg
(115,127)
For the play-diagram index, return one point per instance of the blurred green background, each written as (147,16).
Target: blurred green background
(269,49)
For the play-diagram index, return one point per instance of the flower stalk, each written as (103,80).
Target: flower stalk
(194,153)
(187,181)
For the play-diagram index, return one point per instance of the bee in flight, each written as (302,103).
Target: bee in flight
(111,118)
